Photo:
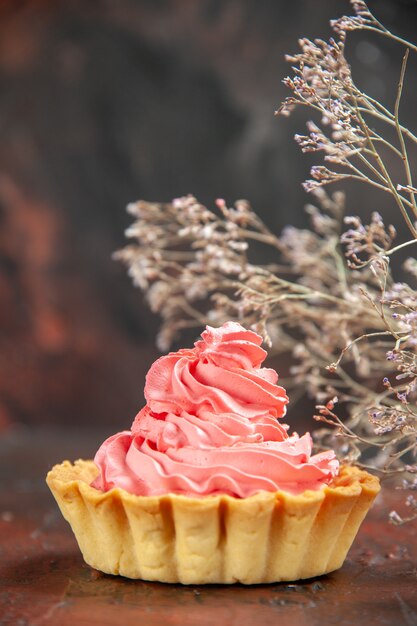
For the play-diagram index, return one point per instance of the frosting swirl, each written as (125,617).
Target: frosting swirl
(210,426)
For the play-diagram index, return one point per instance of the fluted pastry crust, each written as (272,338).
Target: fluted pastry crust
(268,537)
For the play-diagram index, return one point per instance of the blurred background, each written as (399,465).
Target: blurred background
(103,103)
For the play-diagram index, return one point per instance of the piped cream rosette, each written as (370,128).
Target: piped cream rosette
(212,425)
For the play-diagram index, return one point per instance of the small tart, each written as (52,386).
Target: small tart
(265,538)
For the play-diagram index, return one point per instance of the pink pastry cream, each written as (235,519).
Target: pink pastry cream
(211,425)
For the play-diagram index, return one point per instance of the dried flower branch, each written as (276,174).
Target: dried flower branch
(330,301)
(188,256)
(323,82)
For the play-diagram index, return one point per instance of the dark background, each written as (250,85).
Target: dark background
(106,102)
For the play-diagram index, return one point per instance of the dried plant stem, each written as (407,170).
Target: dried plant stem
(355,341)
(398,199)
(400,134)
(388,118)
(378,139)
(400,246)
(265,238)
(387,33)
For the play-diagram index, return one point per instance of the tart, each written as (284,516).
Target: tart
(208,486)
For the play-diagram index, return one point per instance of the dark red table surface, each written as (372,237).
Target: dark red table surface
(44,580)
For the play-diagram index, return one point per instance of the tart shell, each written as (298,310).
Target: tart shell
(265,538)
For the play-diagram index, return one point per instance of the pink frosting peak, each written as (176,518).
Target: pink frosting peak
(210,426)
(221,374)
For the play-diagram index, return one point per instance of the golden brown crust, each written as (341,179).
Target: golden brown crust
(267,537)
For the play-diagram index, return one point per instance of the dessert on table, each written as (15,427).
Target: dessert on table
(208,486)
